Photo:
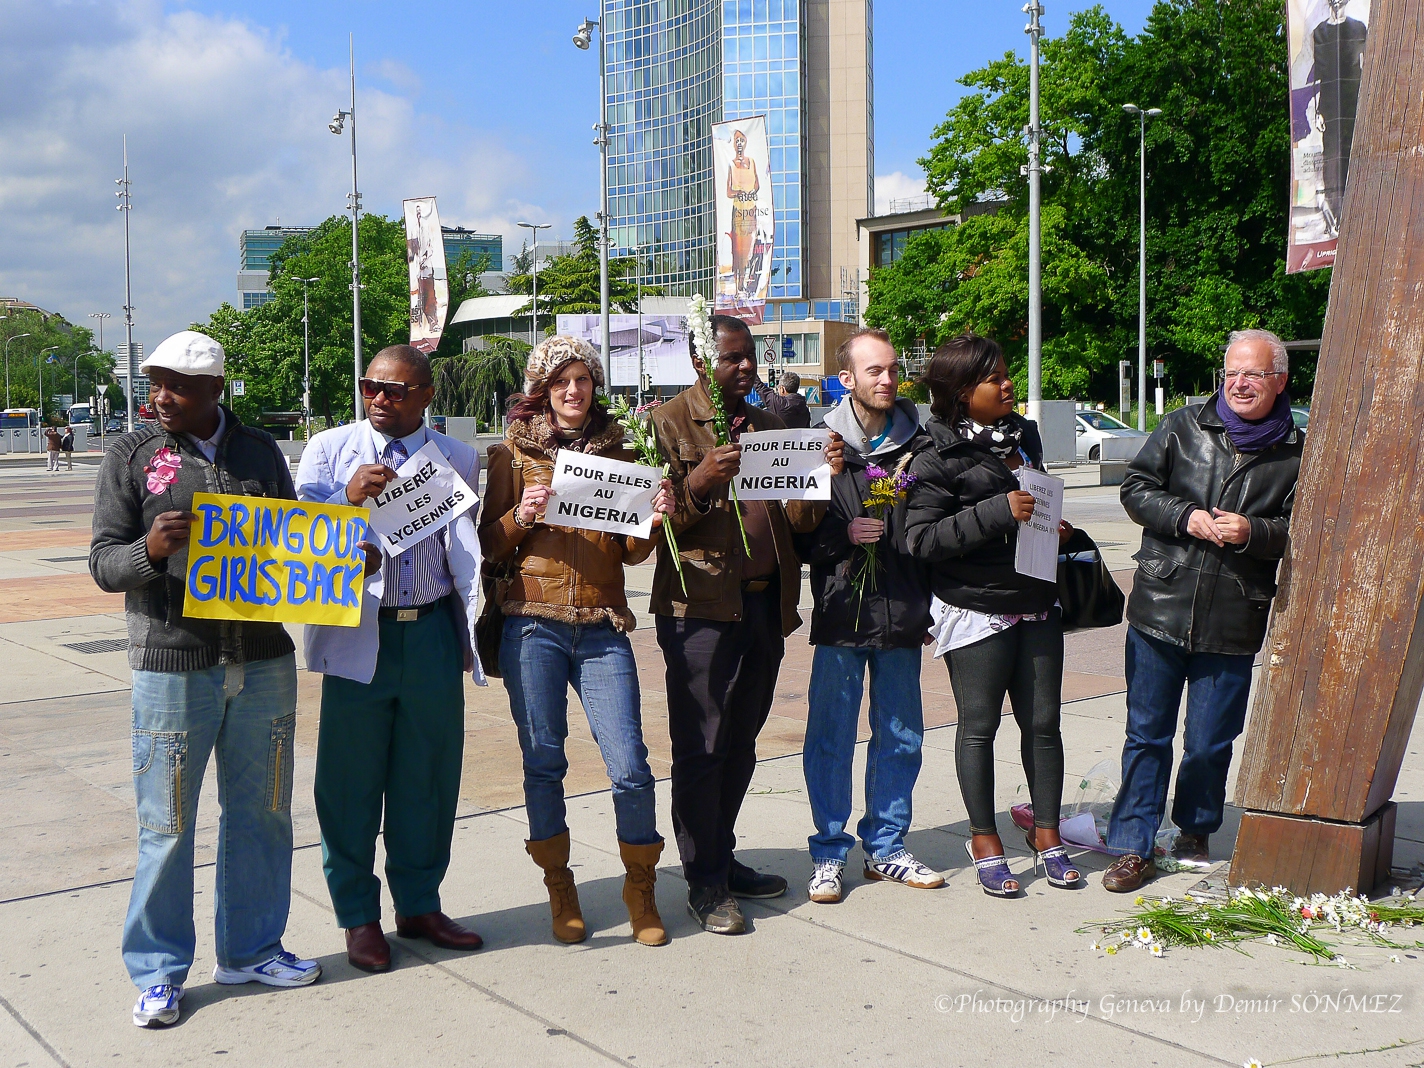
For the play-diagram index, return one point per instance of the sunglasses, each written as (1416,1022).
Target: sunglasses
(396,391)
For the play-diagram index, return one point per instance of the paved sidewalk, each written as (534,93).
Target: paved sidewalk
(890,975)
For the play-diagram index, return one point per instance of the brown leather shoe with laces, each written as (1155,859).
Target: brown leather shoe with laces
(1127,873)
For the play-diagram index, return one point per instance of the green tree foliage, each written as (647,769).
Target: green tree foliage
(1218,162)
(25,362)
(476,383)
(569,285)
(264,345)
(464,282)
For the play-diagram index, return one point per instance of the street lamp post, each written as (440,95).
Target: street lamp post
(13,337)
(638,252)
(306,352)
(583,36)
(1034,29)
(1142,117)
(534,298)
(39,370)
(353,201)
(125,205)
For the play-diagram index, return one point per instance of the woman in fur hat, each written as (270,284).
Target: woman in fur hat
(566,623)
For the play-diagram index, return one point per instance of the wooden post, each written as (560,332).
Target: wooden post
(1345,653)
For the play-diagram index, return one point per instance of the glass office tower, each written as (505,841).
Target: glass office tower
(677,66)
(664,92)
(762,74)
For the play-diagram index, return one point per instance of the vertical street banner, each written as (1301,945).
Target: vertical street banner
(429,289)
(746,228)
(1327,54)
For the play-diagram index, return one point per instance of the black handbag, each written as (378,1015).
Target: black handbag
(1090,596)
(489,628)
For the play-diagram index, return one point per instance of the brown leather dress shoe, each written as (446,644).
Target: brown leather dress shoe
(1191,848)
(439,929)
(367,948)
(1127,873)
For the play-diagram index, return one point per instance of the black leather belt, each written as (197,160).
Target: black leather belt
(409,615)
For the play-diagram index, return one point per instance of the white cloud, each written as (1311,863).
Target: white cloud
(897,186)
(226,130)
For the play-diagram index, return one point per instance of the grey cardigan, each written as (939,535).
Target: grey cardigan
(161,638)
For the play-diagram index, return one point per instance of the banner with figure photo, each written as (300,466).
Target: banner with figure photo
(429,289)
(746,228)
(1327,54)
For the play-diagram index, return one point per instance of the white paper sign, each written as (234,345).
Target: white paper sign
(428,496)
(785,465)
(598,493)
(1037,552)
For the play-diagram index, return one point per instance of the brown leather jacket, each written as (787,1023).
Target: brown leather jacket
(707,538)
(572,573)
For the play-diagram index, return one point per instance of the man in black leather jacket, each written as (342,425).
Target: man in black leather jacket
(1212,489)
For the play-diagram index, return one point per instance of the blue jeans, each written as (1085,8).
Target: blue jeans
(892,762)
(540,659)
(247,713)
(1217,688)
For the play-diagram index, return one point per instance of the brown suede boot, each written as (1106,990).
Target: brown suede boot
(552,854)
(638,892)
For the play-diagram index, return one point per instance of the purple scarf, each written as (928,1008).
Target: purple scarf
(1256,435)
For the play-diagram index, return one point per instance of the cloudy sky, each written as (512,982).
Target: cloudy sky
(225,103)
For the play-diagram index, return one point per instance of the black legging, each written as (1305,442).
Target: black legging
(1026,662)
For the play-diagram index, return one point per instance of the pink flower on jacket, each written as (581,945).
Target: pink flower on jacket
(162,470)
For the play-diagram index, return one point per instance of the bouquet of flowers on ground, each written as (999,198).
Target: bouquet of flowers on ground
(644,439)
(886,490)
(700,323)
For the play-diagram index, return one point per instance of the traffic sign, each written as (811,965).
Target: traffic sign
(239,388)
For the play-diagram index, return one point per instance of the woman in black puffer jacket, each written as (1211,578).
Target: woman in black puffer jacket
(1003,630)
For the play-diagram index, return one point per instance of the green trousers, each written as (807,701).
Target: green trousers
(398,742)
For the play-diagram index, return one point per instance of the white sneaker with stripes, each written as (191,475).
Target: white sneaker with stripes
(825,885)
(902,867)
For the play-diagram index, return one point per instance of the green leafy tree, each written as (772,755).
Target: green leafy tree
(28,360)
(464,282)
(475,383)
(1217,160)
(264,345)
(569,285)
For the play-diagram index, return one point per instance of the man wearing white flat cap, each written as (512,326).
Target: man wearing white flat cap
(199,687)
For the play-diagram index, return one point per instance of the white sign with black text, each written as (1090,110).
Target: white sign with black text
(785,465)
(598,493)
(1037,551)
(426,498)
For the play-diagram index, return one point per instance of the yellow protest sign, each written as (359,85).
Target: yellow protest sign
(274,561)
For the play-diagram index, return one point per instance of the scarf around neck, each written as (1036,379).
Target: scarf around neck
(1003,438)
(1256,435)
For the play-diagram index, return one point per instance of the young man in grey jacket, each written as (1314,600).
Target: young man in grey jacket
(198,686)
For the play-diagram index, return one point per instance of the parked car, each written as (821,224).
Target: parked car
(1301,415)
(1095,427)
(114,426)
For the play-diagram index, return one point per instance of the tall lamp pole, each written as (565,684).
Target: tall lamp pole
(13,337)
(306,352)
(125,205)
(534,298)
(583,37)
(353,202)
(39,370)
(1142,117)
(98,400)
(1034,29)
